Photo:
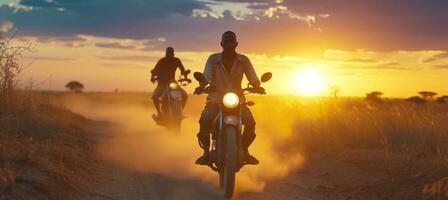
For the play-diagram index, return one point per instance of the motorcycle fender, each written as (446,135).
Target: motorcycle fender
(231,120)
(175,95)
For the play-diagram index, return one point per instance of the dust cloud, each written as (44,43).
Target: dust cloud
(137,143)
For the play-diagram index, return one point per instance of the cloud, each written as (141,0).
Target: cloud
(131,58)
(252,10)
(115,45)
(75,45)
(118,9)
(378,25)
(378,65)
(113,18)
(263,26)
(140,19)
(436,57)
(130,44)
(47,58)
(382,66)
(75,41)
(122,66)
(441,66)
(354,60)
(390,64)
(76,38)
(6,26)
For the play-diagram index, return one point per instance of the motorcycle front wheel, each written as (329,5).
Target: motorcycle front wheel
(231,159)
(176,118)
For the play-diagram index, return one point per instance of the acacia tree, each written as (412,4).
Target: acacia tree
(442,99)
(75,86)
(427,94)
(374,97)
(416,100)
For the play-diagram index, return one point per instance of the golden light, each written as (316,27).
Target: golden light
(309,82)
(173,85)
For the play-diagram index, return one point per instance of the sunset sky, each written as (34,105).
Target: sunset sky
(398,47)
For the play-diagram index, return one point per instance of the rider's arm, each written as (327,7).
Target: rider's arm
(181,67)
(156,69)
(208,69)
(250,73)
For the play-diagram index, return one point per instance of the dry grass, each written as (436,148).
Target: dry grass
(43,149)
(395,125)
(412,141)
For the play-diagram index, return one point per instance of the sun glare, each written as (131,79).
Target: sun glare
(309,82)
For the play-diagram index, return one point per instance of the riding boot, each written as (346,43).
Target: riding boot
(204,159)
(204,143)
(158,117)
(246,142)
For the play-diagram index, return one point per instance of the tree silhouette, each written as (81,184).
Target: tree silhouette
(442,99)
(374,97)
(427,94)
(416,100)
(334,90)
(75,86)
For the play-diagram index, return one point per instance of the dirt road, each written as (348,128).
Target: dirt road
(322,177)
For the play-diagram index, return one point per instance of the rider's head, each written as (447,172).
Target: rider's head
(228,41)
(169,52)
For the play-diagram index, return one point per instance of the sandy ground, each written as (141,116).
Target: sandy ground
(322,177)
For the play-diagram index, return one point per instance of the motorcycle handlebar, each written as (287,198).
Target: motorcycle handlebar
(250,90)
(206,90)
(182,81)
(185,80)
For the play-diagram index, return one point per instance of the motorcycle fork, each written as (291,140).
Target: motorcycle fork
(220,140)
(170,110)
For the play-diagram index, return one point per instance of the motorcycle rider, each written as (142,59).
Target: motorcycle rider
(224,71)
(164,73)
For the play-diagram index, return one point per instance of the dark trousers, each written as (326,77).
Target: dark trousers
(208,115)
(161,88)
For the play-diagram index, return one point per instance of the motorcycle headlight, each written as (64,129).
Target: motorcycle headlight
(173,85)
(231,100)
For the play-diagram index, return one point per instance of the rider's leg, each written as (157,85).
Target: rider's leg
(248,134)
(184,97)
(205,124)
(158,92)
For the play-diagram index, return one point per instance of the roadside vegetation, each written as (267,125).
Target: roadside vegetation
(43,148)
(406,143)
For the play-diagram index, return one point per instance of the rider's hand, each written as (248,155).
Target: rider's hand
(198,90)
(153,79)
(259,90)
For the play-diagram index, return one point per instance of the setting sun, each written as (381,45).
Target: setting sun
(309,82)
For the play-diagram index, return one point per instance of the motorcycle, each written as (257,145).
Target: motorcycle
(226,155)
(171,104)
